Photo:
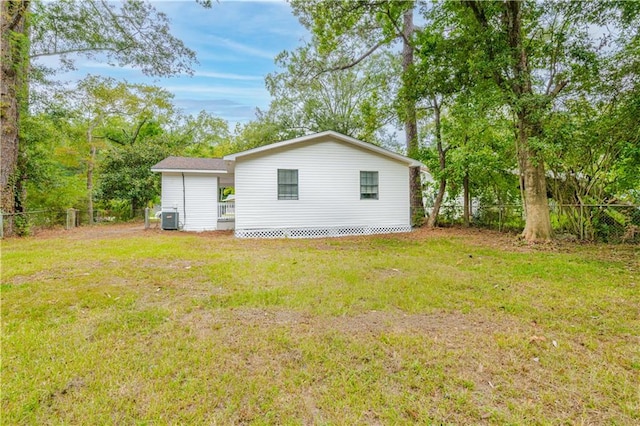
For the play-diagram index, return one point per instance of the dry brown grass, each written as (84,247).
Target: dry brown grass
(121,325)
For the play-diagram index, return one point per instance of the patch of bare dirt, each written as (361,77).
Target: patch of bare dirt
(114,230)
(97,231)
(473,236)
(439,324)
(119,230)
(513,242)
(499,360)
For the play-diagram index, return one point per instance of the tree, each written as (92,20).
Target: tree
(203,135)
(354,101)
(347,33)
(55,173)
(537,56)
(127,33)
(437,76)
(134,127)
(103,102)
(409,112)
(533,52)
(126,174)
(594,151)
(131,33)
(265,129)
(13,93)
(483,159)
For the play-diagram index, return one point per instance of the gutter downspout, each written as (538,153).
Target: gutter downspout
(184,201)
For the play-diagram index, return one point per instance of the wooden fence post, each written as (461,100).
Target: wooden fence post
(582,236)
(71,218)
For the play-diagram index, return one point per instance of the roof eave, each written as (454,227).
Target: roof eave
(365,145)
(189,171)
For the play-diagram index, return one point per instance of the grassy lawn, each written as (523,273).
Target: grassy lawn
(115,325)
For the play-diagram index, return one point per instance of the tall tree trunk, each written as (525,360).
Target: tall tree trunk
(538,223)
(90,168)
(410,123)
(466,201)
(442,157)
(515,81)
(15,61)
(466,213)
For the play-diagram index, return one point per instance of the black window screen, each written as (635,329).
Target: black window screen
(287,184)
(368,185)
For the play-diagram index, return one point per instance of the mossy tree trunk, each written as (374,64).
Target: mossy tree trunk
(13,90)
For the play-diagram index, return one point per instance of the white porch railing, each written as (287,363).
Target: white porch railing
(226,210)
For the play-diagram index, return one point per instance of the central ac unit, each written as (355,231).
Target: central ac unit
(170,220)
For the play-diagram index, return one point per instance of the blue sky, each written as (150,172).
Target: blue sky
(236,43)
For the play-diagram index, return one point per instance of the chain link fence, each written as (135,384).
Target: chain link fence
(25,223)
(612,223)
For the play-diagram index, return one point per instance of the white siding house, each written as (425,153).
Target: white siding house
(321,185)
(344,187)
(190,187)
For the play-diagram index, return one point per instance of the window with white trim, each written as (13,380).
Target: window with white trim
(287,184)
(368,185)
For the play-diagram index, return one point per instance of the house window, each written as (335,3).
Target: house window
(368,185)
(287,184)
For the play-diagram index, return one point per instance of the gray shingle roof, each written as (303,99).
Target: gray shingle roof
(189,163)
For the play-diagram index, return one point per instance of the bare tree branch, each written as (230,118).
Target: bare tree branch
(559,86)
(137,132)
(355,62)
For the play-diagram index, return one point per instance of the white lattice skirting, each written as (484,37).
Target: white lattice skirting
(319,232)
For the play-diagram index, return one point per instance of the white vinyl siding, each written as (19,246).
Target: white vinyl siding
(200,203)
(328,188)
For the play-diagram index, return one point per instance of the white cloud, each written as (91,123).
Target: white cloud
(105,65)
(236,42)
(226,109)
(257,93)
(228,76)
(242,48)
